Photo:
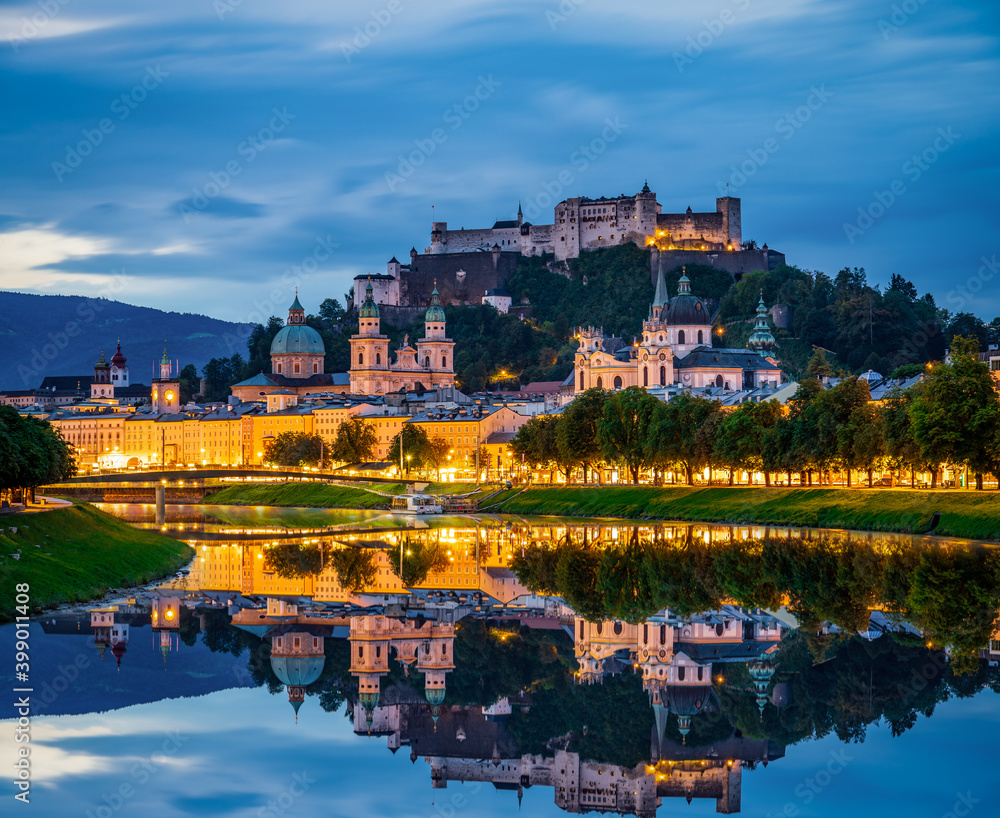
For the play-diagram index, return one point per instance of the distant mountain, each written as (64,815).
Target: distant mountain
(44,335)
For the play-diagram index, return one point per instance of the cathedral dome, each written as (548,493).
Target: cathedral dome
(297,671)
(297,338)
(686,308)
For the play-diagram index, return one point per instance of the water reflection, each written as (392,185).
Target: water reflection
(453,644)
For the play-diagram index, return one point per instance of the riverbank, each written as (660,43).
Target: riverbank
(81,554)
(974,515)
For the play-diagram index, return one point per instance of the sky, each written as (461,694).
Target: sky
(210,155)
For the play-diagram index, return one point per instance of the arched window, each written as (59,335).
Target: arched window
(378,358)
(618,382)
(663,376)
(600,627)
(645,633)
(617,629)
(427,361)
(701,672)
(600,382)
(680,673)
(645,376)
(663,634)
(444,361)
(361,358)
(680,336)
(701,338)
(718,380)
(581,380)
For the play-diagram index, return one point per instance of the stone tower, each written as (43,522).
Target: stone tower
(166,395)
(369,350)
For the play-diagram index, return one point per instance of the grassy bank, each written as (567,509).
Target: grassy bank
(300,495)
(84,554)
(963,513)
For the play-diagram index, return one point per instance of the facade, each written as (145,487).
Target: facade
(431,365)
(676,349)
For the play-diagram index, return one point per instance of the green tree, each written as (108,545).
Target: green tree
(294,449)
(330,310)
(355,442)
(955,413)
(292,560)
(190,383)
(743,440)
(537,442)
(437,454)
(576,434)
(672,433)
(415,447)
(356,568)
(622,430)
(221,373)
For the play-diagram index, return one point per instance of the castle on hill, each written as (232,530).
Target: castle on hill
(473,266)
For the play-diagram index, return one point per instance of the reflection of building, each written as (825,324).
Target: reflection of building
(165,615)
(109,633)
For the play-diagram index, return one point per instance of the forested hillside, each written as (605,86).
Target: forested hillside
(44,335)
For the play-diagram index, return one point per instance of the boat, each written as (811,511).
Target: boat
(416,504)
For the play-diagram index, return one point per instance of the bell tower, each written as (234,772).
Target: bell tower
(166,394)
(369,350)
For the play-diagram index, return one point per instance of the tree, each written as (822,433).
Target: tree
(32,452)
(537,441)
(356,568)
(415,447)
(818,365)
(355,442)
(623,428)
(901,447)
(955,413)
(576,435)
(220,374)
(743,436)
(673,433)
(294,449)
(437,453)
(330,310)
(291,560)
(901,285)
(190,383)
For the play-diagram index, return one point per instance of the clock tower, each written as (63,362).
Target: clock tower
(166,395)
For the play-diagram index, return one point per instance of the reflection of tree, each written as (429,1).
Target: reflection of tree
(291,560)
(418,560)
(951,592)
(189,628)
(220,636)
(355,567)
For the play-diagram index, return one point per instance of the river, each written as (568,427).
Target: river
(312,662)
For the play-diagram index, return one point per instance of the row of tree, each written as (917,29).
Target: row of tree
(951,418)
(32,452)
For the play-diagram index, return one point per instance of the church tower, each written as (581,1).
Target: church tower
(166,395)
(435,351)
(762,340)
(100,387)
(297,351)
(369,350)
(119,368)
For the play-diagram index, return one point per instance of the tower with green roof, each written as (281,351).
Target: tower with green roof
(297,351)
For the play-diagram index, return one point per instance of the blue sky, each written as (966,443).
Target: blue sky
(208,147)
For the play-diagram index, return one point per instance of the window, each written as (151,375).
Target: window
(600,382)
(378,358)
(663,376)
(701,340)
(315,367)
(444,361)
(361,358)
(680,336)
(581,379)
(427,361)
(296,366)
(680,674)
(718,380)
(645,376)
(618,382)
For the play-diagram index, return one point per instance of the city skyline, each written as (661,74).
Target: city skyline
(226,144)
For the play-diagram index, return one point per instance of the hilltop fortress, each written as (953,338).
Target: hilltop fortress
(471,265)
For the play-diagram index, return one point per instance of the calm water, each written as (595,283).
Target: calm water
(411,672)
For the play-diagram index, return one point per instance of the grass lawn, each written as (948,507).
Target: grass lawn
(301,495)
(969,514)
(84,554)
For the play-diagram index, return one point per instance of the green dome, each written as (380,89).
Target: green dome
(297,338)
(297,671)
(435,312)
(369,309)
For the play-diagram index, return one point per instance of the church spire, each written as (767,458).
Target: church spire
(762,340)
